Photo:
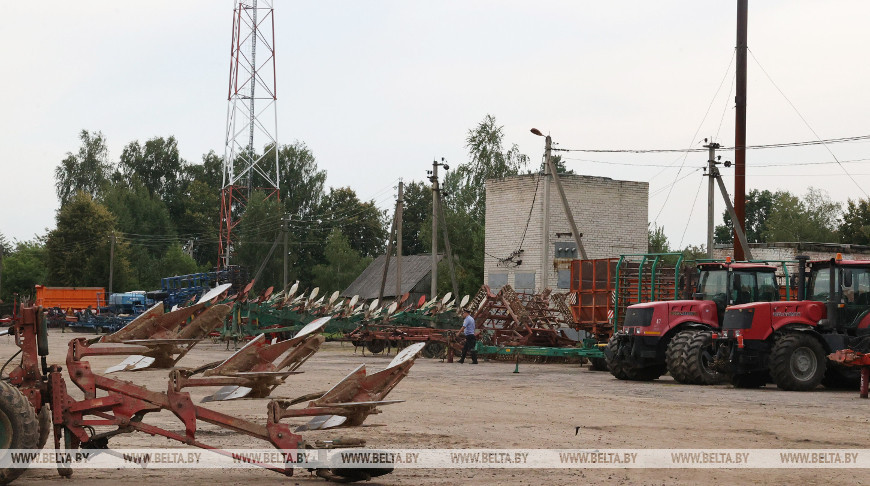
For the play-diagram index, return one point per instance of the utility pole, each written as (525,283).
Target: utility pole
(545,229)
(740,127)
(111,262)
(2,250)
(286,250)
(388,253)
(711,162)
(434,178)
(550,170)
(399,213)
(713,172)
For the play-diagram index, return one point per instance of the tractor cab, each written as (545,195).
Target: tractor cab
(728,284)
(844,285)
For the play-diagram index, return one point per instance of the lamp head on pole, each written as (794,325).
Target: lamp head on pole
(537,132)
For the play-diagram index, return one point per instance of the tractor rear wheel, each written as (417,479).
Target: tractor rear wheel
(19,428)
(674,356)
(698,356)
(797,362)
(615,363)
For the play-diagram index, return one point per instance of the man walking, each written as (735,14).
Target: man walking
(470,339)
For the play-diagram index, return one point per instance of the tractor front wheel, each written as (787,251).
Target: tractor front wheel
(797,362)
(675,356)
(615,363)
(19,428)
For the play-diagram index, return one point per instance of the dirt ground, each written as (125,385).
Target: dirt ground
(542,406)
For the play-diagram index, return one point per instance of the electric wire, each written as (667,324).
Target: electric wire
(807,124)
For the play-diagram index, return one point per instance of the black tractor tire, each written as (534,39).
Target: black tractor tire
(19,428)
(839,377)
(615,364)
(674,356)
(749,380)
(698,356)
(797,362)
(598,364)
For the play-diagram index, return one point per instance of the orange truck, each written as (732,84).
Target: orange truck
(70,298)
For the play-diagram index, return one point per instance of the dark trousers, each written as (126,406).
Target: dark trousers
(470,345)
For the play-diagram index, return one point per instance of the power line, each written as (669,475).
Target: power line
(807,124)
(830,141)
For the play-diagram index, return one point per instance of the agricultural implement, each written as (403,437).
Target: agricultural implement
(34,401)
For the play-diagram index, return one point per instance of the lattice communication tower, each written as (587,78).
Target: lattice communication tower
(252,119)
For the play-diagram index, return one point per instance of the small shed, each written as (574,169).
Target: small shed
(416,278)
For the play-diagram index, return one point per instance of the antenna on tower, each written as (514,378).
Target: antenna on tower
(252,118)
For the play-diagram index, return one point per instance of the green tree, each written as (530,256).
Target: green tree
(176,262)
(811,218)
(416,214)
(199,222)
(143,221)
(157,165)
(855,228)
(758,207)
(488,160)
(361,222)
(88,171)
(342,266)
(301,182)
(256,232)
(78,248)
(658,242)
(24,266)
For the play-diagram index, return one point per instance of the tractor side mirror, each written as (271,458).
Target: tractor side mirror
(847,278)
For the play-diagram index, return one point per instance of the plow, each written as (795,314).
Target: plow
(35,401)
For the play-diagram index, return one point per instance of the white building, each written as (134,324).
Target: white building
(611,215)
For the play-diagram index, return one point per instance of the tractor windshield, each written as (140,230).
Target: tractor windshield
(746,287)
(753,287)
(853,283)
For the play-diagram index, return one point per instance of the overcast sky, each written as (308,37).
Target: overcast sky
(377,89)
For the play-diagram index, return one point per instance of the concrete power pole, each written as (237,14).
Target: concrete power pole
(399,211)
(711,163)
(286,251)
(545,229)
(111,262)
(434,179)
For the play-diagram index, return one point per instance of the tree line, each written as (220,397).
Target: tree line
(159,215)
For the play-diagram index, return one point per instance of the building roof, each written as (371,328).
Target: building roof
(415,268)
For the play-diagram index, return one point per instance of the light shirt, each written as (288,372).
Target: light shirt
(468,324)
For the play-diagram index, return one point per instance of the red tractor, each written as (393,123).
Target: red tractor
(786,342)
(676,336)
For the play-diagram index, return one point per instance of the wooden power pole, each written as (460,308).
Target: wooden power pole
(740,127)
(399,214)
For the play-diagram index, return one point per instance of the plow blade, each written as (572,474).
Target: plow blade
(323,422)
(132,363)
(230,392)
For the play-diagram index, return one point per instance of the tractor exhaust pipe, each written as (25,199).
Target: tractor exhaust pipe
(802,277)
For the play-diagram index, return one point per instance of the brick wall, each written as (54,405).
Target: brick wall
(611,215)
